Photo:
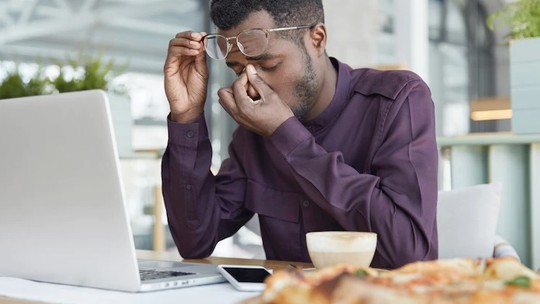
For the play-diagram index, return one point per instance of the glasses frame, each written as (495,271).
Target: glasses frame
(240,46)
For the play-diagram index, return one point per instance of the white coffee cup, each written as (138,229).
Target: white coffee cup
(327,248)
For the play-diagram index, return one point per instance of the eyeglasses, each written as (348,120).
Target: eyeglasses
(252,42)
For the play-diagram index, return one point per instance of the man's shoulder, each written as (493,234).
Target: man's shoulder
(388,83)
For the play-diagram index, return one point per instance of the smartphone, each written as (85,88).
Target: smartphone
(245,278)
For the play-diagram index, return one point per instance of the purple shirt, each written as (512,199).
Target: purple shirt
(367,163)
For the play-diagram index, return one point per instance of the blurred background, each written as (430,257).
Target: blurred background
(447,42)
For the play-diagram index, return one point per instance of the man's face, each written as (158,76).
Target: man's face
(284,66)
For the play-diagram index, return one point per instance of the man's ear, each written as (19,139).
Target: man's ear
(318,38)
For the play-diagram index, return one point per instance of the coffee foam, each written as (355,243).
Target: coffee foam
(342,242)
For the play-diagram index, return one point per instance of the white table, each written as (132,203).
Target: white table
(36,292)
(19,291)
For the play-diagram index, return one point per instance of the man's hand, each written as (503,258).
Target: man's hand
(262,115)
(186,76)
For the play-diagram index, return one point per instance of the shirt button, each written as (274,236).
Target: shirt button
(305,204)
(188,187)
(190,134)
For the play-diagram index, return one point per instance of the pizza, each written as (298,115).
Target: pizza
(497,280)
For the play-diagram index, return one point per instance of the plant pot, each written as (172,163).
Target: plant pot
(525,85)
(122,121)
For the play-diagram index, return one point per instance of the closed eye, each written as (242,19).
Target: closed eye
(269,68)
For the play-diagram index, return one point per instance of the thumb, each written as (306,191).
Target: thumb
(257,82)
(200,59)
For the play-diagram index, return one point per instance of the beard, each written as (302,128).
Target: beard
(305,90)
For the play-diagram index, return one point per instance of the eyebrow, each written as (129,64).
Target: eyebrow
(264,56)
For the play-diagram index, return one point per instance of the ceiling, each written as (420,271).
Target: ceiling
(134,33)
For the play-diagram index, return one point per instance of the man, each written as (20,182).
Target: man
(319,146)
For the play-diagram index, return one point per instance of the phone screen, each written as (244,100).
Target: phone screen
(248,275)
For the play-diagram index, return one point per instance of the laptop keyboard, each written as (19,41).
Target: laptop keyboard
(157,274)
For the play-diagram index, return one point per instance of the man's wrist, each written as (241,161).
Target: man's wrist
(186,117)
(289,135)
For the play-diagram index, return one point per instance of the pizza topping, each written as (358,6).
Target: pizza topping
(521,281)
(361,273)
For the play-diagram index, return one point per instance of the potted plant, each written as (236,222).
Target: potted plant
(13,85)
(76,74)
(522,19)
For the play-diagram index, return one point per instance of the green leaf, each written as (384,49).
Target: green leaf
(14,86)
(521,281)
(522,18)
(361,273)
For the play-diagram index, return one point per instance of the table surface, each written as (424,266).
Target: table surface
(174,256)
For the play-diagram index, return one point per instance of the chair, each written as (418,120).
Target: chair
(466,218)
(467,222)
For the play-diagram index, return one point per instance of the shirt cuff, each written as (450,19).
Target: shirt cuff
(289,135)
(186,134)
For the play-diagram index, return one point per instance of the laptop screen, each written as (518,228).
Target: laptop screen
(61,200)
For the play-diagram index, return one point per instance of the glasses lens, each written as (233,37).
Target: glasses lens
(216,46)
(252,42)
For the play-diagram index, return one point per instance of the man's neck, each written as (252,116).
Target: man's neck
(327,91)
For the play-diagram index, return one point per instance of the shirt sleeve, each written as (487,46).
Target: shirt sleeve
(397,197)
(199,215)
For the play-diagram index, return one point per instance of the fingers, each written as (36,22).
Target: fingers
(201,58)
(227,101)
(186,44)
(252,93)
(244,92)
(263,90)
(191,35)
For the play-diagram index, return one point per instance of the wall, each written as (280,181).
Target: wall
(352,27)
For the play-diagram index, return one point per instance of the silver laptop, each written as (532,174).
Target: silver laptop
(63,217)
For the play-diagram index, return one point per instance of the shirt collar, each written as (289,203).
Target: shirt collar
(339,101)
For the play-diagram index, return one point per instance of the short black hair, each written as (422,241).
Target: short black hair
(226,14)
